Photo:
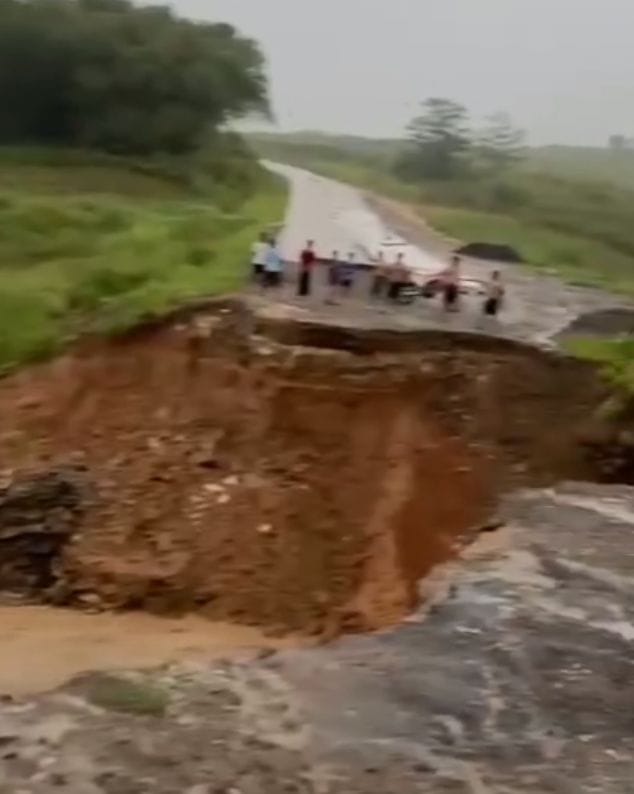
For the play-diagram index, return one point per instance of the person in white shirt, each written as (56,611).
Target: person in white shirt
(273,266)
(259,251)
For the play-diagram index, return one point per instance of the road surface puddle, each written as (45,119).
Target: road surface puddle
(44,647)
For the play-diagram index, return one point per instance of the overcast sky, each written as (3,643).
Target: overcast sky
(564,69)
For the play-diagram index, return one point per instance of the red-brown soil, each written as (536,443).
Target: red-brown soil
(296,490)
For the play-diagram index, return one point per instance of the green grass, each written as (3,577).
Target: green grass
(585,163)
(78,260)
(616,360)
(72,172)
(118,694)
(574,258)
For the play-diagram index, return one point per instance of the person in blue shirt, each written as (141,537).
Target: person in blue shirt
(273,266)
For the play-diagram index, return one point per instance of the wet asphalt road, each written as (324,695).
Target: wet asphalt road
(336,216)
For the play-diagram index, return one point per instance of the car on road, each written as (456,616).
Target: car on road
(467,286)
(431,287)
(421,264)
(392,246)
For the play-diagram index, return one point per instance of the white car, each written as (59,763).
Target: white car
(391,247)
(466,286)
(421,265)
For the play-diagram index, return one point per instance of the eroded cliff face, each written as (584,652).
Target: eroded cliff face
(290,476)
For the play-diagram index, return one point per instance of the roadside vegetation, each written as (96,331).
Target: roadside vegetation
(101,262)
(122,193)
(612,164)
(616,359)
(483,184)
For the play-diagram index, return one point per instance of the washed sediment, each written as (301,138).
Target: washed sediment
(516,677)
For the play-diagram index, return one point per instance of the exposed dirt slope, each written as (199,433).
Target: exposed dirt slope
(274,485)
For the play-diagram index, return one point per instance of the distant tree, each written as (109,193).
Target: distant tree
(617,143)
(499,144)
(438,141)
(127,79)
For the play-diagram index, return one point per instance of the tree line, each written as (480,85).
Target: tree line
(442,144)
(108,75)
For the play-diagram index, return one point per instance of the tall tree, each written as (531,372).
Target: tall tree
(500,143)
(127,79)
(438,141)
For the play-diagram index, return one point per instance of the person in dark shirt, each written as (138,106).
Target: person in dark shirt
(380,279)
(398,275)
(494,295)
(347,274)
(307,260)
(334,270)
(451,286)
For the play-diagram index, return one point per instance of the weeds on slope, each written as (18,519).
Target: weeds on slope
(103,261)
(615,357)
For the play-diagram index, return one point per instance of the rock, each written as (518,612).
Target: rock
(38,517)
(603,323)
(90,599)
(493,252)
(265,653)
(30,401)
(207,462)
(493,524)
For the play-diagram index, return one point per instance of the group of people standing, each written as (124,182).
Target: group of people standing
(387,283)
(389,280)
(268,267)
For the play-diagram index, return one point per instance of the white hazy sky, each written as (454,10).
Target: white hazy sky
(564,69)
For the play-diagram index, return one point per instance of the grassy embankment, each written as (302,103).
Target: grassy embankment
(95,242)
(558,221)
(615,357)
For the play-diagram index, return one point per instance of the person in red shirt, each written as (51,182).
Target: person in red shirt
(307,260)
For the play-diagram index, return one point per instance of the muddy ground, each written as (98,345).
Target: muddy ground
(197,466)
(515,678)
(307,479)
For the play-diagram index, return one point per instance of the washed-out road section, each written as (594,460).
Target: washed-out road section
(515,675)
(338,217)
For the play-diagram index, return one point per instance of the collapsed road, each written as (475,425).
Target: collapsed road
(339,217)
(403,497)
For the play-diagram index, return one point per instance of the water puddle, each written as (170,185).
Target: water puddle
(44,647)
